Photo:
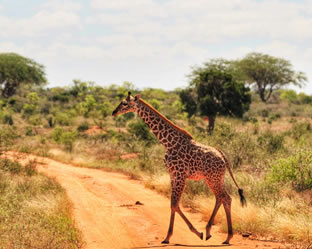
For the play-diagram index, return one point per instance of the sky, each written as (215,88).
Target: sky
(152,43)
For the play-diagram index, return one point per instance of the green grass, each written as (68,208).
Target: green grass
(34,210)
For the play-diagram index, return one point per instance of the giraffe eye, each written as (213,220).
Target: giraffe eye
(124,103)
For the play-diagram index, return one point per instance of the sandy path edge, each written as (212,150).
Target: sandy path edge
(105,212)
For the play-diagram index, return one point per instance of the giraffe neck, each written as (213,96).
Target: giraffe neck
(167,132)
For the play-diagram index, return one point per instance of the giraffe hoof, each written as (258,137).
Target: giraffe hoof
(201,236)
(208,237)
(226,243)
(165,242)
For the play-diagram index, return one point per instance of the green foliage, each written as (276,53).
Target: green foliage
(51,121)
(296,170)
(67,138)
(142,132)
(290,96)
(300,129)
(87,106)
(10,166)
(33,98)
(215,92)
(155,103)
(35,119)
(83,127)
(272,142)
(29,109)
(8,119)
(47,224)
(105,109)
(63,119)
(269,73)
(29,131)
(7,136)
(16,70)
(304,99)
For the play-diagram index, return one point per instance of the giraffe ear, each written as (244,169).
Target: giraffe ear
(138,96)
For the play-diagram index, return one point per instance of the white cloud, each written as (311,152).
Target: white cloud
(58,5)
(51,16)
(205,20)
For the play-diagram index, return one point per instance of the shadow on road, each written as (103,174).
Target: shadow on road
(179,245)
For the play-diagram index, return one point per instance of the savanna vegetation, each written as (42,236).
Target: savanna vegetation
(269,144)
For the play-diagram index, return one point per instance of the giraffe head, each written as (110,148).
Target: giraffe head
(128,104)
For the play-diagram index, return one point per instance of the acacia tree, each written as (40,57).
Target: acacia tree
(16,70)
(214,91)
(268,73)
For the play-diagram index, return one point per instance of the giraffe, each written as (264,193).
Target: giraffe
(186,159)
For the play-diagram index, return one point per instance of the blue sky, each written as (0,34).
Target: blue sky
(152,43)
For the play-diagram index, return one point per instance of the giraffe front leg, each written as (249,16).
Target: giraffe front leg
(177,189)
(191,227)
(213,215)
(170,230)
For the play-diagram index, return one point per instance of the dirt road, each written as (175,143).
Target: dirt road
(105,211)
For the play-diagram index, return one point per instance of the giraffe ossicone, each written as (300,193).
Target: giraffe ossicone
(186,159)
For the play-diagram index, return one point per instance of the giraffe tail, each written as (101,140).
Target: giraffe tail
(242,197)
(240,191)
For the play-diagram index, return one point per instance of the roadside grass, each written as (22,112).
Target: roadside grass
(34,210)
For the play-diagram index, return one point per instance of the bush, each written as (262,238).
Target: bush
(10,166)
(63,119)
(29,109)
(290,96)
(300,129)
(29,131)
(296,170)
(142,132)
(66,138)
(83,127)
(7,119)
(51,121)
(7,136)
(35,120)
(271,142)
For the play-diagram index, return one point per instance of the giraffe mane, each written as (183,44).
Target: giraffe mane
(165,119)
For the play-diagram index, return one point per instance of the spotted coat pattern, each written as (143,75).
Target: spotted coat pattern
(185,159)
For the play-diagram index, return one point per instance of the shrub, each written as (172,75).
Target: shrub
(272,142)
(57,134)
(10,166)
(7,119)
(63,119)
(51,121)
(296,170)
(300,129)
(29,109)
(66,138)
(29,131)
(35,120)
(83,127)
(290,96)
(141,131)
(7,136)
(304,99)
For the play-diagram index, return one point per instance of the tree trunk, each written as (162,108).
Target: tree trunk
(262,94)
(211,120)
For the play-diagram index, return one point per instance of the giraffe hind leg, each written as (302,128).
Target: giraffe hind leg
(227,207)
